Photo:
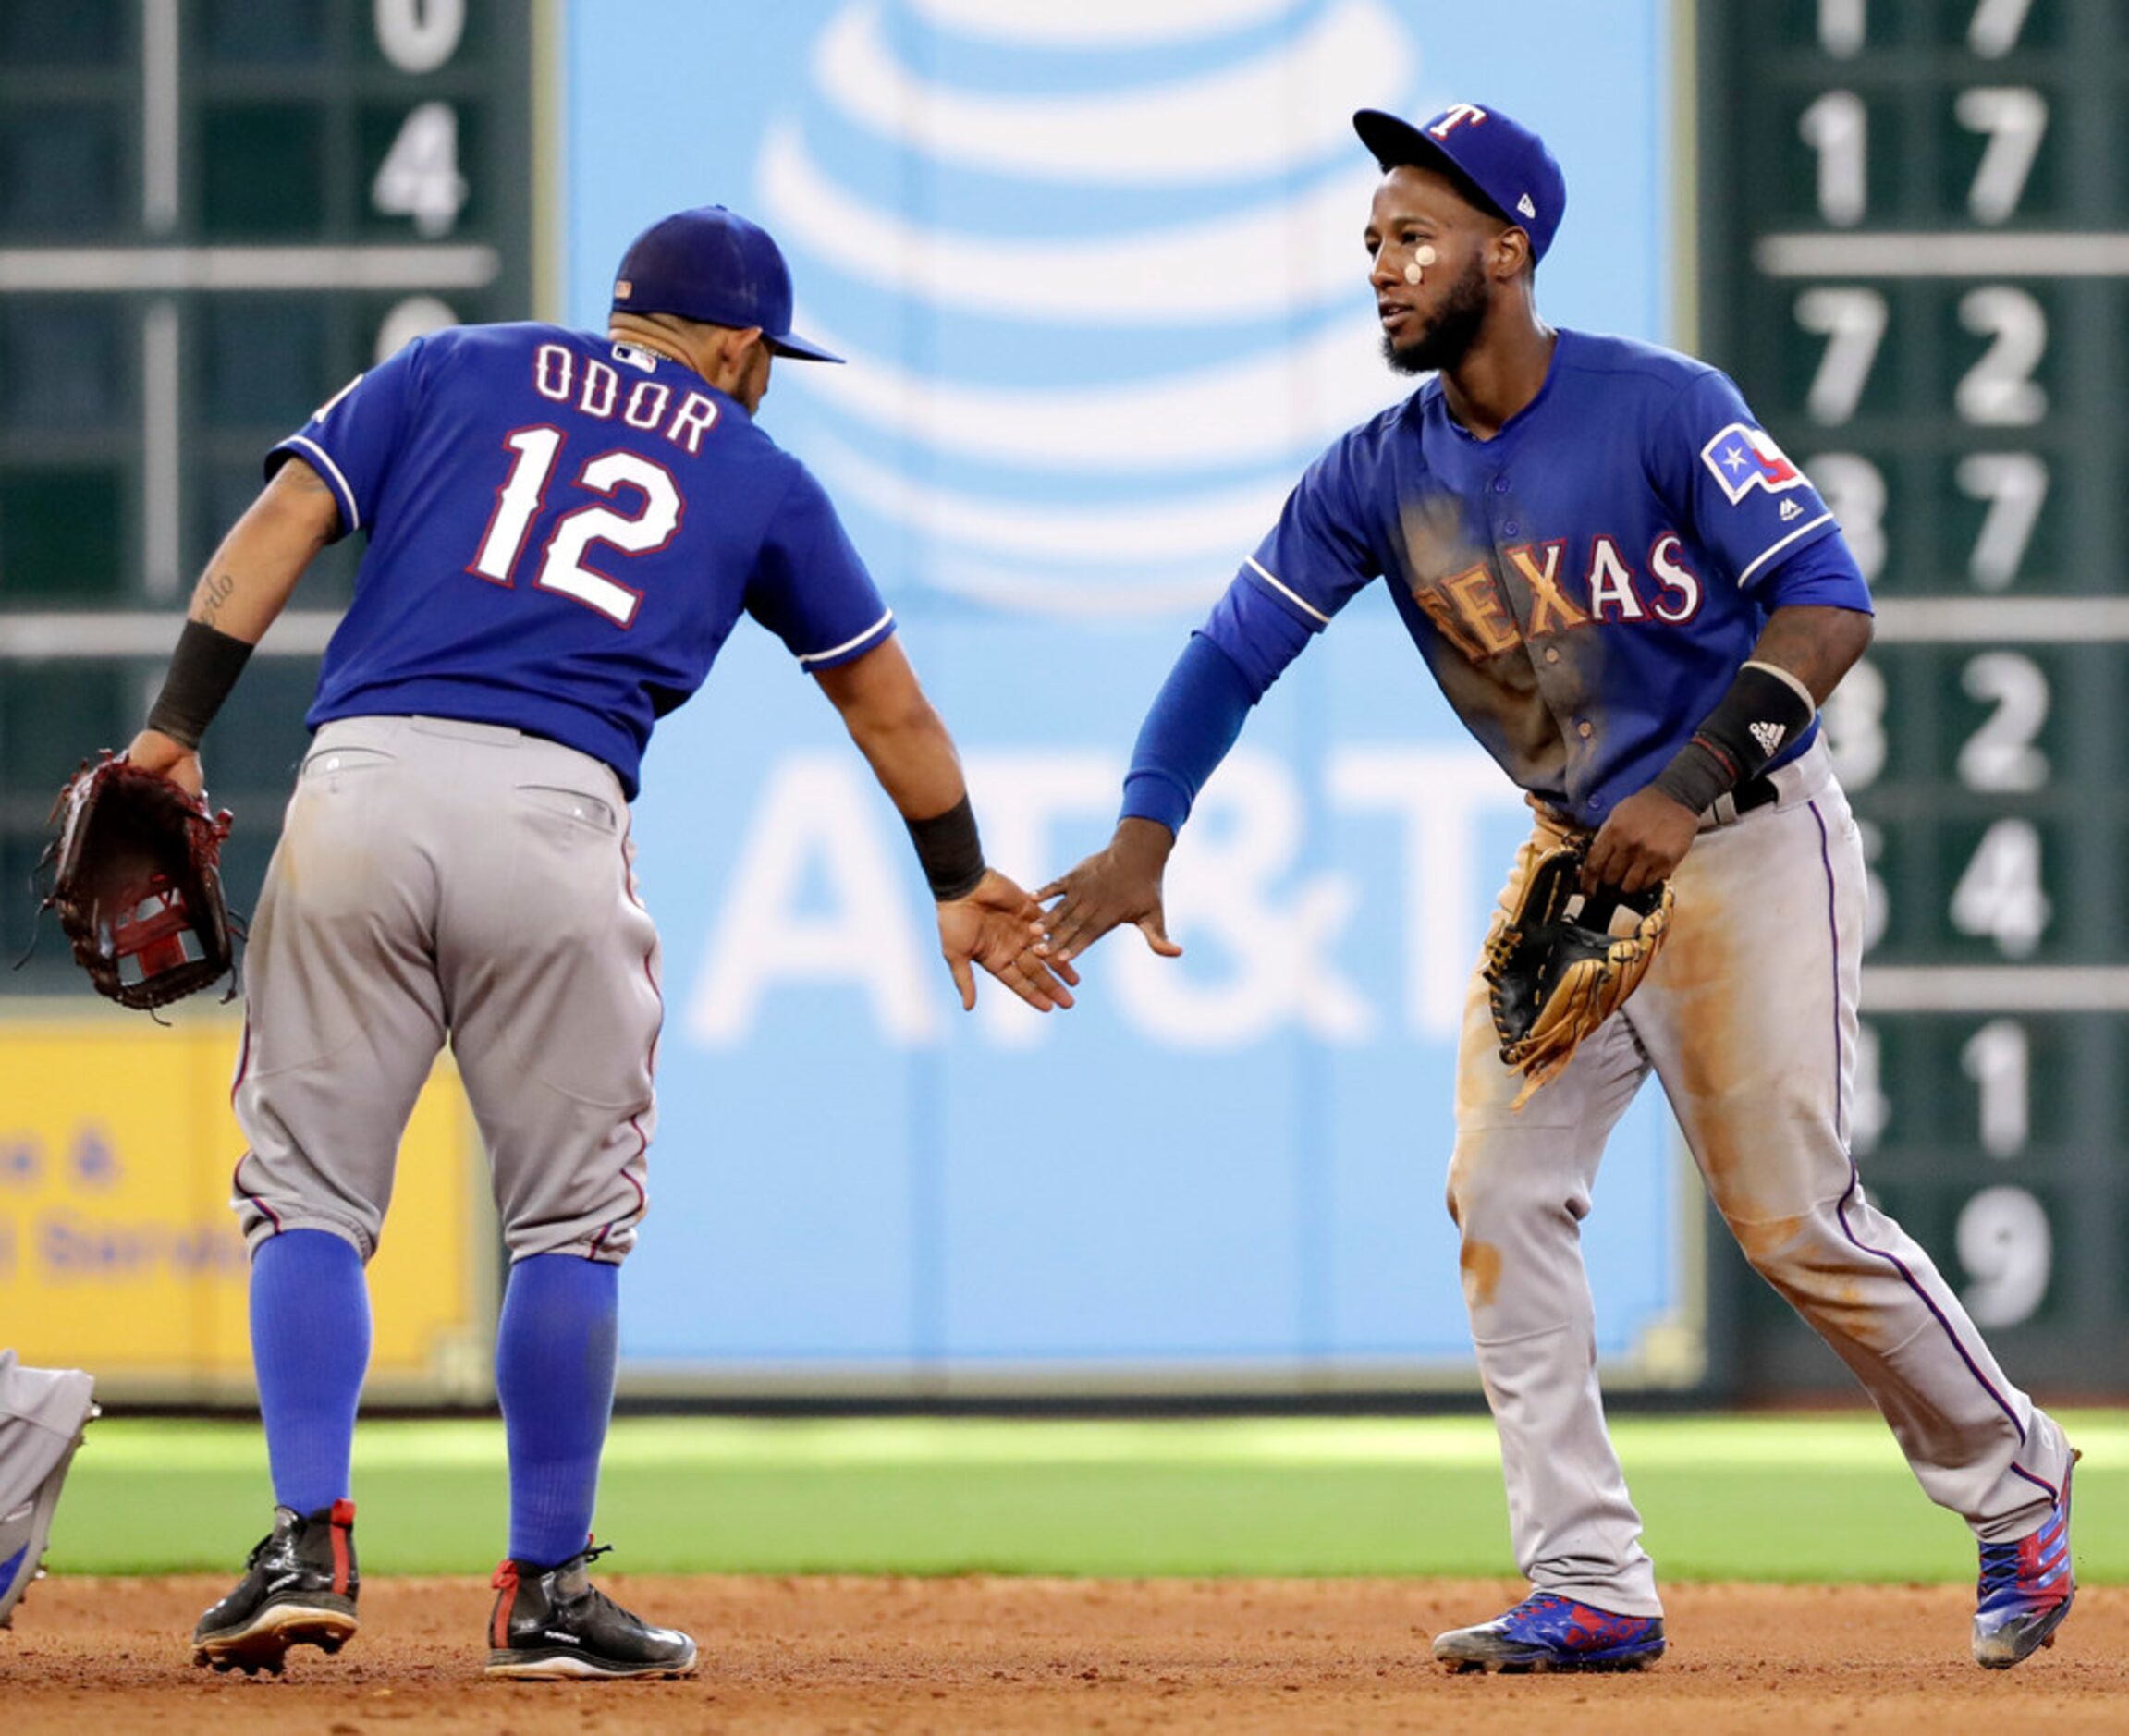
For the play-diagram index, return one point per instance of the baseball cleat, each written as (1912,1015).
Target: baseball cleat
(1549,1632)
(2026,1588)
(26,1530)
(550,1624)
(298,1588)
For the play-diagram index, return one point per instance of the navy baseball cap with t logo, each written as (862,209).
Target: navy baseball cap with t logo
(712,264)
(1505,160)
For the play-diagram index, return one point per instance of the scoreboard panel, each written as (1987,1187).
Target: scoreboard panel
(213,214)
(1914,257)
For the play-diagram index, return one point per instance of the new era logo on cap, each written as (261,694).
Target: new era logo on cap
(1503,160)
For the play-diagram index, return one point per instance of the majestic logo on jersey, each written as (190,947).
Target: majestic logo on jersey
(1743,459)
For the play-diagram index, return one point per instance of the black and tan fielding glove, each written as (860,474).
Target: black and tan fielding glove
(1554,967)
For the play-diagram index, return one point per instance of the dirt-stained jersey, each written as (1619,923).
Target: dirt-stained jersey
(563,532)
(1584,585)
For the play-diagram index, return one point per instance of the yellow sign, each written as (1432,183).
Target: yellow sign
(118,1251)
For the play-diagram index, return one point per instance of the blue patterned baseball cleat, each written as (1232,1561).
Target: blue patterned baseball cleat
(1547,1632)
(2025,1589)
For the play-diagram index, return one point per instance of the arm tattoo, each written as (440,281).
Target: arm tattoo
(215,590)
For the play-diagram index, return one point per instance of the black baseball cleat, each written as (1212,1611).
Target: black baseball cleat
(551,1625)
(298,1588)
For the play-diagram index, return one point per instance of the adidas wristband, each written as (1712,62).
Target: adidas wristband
(1764,711)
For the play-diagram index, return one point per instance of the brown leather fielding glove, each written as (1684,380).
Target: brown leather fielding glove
(137,882)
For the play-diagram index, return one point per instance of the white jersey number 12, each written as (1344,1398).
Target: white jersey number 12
(523,495)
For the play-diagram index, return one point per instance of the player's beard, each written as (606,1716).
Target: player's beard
(1450,334)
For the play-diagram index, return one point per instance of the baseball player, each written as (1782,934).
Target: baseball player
(563,529)
(1637,604)
(43,1414)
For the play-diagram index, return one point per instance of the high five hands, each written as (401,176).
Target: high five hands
(1030,950)
(1117,885)
(999,927)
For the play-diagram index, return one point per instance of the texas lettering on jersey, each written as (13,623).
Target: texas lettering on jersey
(1585,583)
(1485,617)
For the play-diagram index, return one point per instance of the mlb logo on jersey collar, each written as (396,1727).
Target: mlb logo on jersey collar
(1743,459)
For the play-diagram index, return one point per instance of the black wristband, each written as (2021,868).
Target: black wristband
(1763,711)
(950,852)
(1696,776)
(202,669)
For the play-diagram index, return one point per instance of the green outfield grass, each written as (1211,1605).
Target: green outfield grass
(1725,1498)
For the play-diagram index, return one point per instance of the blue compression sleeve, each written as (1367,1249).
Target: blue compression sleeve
(554,1349)
(1244,647)
(310,1347)
(1195,720)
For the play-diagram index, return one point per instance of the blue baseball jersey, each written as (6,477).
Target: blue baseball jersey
(563,532)
(1586,584)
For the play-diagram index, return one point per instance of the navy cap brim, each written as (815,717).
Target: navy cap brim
(797,348)
(1396,142)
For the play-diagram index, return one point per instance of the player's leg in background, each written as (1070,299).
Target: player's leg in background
(553,970)
(1519,1186)
(1750,1016)
(553,975)
(43,1414)
(343,1021)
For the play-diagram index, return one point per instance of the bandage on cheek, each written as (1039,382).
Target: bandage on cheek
(1421,257)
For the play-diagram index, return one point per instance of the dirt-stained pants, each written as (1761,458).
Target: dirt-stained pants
(1748,1019)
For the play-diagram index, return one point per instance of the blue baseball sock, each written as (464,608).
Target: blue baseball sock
(310,1348)
(555,1377)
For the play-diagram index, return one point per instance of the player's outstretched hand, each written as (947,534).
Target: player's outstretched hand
(153,750)
(999,927)
(1118,885)
(1647,836)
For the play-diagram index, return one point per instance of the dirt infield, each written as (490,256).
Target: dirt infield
(867,1655)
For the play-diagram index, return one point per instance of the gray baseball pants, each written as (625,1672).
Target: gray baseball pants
(41,1410)
(1748,1019)
(442,879)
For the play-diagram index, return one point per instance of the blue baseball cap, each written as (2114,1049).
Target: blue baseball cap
(1505,160)
(712,264)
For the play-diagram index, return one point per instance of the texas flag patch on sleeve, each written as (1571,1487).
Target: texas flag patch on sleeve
(1743,459)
